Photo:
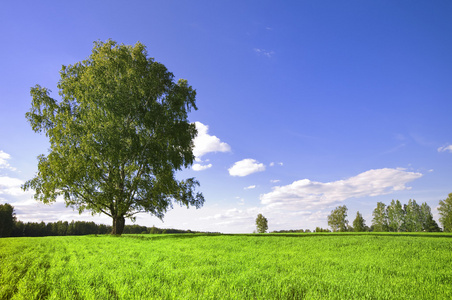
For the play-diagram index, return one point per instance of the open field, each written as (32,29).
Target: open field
(288,266)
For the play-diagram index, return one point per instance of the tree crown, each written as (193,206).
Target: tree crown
(117,136)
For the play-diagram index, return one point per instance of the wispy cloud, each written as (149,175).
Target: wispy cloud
(250,187)
(4,157)
(264,52)
(447,148)
(306,194)
(10,186)
(272,164)
(199,167)
(246,167)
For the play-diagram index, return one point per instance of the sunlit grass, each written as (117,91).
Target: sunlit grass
(287,266)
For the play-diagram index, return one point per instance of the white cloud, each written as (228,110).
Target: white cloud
(11,186)
(305,193)
(235,218)
(3,161)
(199,167)
(250,187)
(445,148)
(272,164)
(275,180)
(264,52)
(246,167)
(205,143)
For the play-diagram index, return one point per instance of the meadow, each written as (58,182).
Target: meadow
(199,266)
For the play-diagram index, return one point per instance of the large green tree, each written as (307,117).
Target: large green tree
(445,210)
(7,219)
(337,220)
(117,136)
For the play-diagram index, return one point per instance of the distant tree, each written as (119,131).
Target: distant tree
(7,219)
(359,224)
(117,137)
(413,217)
(319,229)
(337,219)
(428,223)
(154,230)
(396,216)
(62,227)
(380,220)
(18,229)
(445,210)
(261,224)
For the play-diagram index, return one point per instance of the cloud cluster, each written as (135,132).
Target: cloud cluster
(306,194)
(4,157)
(199,167)
(206,143)
(445,148)
(10,186)
(238,218)
(246,167)
(264,52)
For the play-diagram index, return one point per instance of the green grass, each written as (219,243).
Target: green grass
(274,266)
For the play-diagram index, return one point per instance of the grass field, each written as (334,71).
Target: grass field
(310,266)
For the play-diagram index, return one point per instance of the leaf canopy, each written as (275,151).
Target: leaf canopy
(117,136)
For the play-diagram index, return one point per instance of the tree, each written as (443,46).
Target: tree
(380,220)
(7,219)
(359,224)
(428,223)
(261,224)
(445,210)
(413,217)
(117,136)
(396,216)
(337,219)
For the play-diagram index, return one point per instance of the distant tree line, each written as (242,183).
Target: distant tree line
(395,217)
(410,217)
(10,227)
(317,229)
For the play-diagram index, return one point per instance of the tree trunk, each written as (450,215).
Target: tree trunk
(118,225)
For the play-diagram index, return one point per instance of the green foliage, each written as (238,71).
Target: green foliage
(116,137)
(380,220)
(261,224)
(319,229)
(337,219)
(396,216)
(445,210)
(314,266)
(7,219)
(359,224)
(412,217)
(290,231)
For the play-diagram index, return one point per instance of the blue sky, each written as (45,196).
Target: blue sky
(303,105)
